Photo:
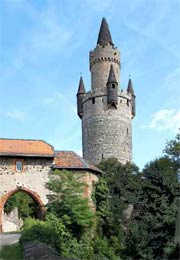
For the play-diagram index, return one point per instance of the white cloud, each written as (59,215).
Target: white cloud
(46,37)
(49,100)
(165,119)
(58,98)
(15,114)
(172,81)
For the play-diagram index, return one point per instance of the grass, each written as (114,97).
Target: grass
(11,252)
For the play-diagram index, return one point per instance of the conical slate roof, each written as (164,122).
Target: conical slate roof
(130,87)
(81,89)
(104,36)
(112,77)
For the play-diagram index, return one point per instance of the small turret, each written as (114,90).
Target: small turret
(133,102)
(104,36)
(80,94)
(112,88)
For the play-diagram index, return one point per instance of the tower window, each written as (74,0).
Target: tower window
(127,131)
(113,86)
(93,100)
(19,166)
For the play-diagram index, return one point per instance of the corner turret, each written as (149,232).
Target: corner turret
(133,97)
(80,94)
(112,88)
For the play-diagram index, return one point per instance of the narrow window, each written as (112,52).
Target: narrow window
(127,131)
(113,85)
(102,156)
(93,100)
(19,166)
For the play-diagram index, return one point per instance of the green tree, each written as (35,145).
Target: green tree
(67,202)
(117,188)
(152,229)
(24,203)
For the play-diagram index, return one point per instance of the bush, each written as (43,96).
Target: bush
(52,231)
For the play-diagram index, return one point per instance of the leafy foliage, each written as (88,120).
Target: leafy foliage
(11,252)
(146,233)
(52,231)
(152,229)
(67,202)
(118,188)
(23,202)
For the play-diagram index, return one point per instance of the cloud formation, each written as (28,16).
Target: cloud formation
(165,119)
(15,114)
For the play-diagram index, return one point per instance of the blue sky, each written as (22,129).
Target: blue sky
(44,46)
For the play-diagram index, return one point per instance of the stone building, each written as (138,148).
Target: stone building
(107,110)
(25,165)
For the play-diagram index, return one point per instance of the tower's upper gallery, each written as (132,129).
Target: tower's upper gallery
(104,36)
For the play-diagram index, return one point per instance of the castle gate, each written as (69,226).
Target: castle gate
(25,165)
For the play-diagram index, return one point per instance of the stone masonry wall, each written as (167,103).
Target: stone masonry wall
(33,177)
(100,63)
(106,132)
(32,180)
(106,129)
(11,221)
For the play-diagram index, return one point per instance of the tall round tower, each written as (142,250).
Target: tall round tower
(106,111)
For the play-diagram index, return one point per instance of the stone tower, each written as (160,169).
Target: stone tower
(107,110)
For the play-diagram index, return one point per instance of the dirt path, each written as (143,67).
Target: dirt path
(9,239)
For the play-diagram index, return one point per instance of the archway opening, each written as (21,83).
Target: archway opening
(18,205)
(23,203)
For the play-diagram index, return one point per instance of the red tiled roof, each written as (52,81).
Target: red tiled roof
(14,147)
(71,160)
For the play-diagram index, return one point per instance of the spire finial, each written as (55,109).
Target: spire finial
(81,89)
(104,36)
(130,86)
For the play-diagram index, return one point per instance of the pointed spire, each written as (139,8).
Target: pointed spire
(130,87)
(112,77)
(81,89)
(104,36)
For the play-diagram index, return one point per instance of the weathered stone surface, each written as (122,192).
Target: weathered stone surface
(106,128)
(11,221)
(32,180)
(35,250)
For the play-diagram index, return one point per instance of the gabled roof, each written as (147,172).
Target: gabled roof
(69,160)
(25,147)
(104,36)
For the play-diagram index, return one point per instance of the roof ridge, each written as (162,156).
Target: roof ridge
(82,160)
(64,151)
(22,139)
